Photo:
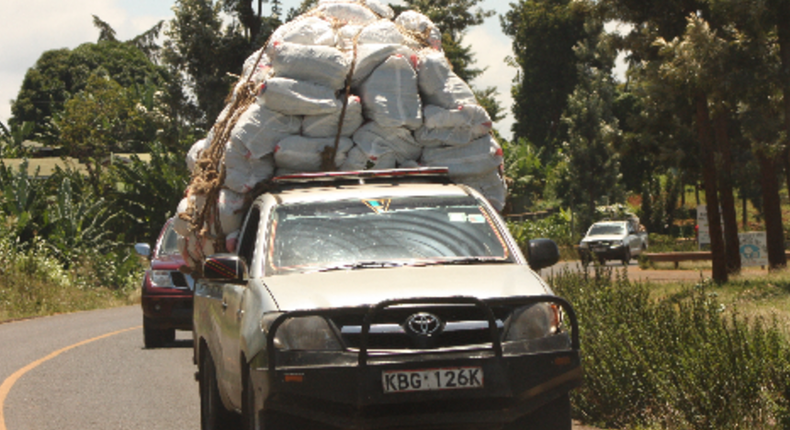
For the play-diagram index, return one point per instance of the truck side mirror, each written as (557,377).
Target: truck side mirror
(543,253)
(225,267)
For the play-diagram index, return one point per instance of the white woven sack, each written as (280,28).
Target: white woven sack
(476,158)
(195,152)
(326,125)
(390,96)
(399,139)
(439,85)
(292,97)
(303,154)
(181,226)
(416,22)
(259,129)
(381,32)
(370,56)
(369,158)
(257,68)
(491,185)
(376,147)
(243,170)
(230,205)
(346,35)
(376,6)
(453,126)
(347,13)
(323,65)
(311,30)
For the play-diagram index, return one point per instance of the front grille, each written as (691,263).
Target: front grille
(461,325)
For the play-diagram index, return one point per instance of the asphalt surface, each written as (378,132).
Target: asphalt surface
(108,383)
(89,370)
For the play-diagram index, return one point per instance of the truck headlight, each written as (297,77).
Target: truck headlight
(532,322)
(584,245)
(161,278)
(311,333)
(617,243)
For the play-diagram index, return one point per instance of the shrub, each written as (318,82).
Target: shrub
(681,362)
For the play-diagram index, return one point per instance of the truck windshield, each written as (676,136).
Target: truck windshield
(386,232)
(606,229)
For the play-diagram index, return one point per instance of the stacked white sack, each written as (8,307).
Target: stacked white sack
(385,78)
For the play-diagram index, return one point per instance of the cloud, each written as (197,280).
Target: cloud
(490,48)
(32,27)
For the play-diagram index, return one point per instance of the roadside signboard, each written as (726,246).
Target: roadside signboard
(754,248)
(703,231)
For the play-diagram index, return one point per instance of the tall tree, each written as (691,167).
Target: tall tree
(593,168)
(689,67)
(209,52)
(59,74)
(544,33)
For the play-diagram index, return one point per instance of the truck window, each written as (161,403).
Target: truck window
(250,235)
(402,230)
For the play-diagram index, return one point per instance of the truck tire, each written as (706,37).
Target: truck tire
(152,337)
(626,256)
(213,415)
(555,415)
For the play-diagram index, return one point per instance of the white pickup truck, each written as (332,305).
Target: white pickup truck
(613,240)
(382,300)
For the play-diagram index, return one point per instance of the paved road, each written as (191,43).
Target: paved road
(89,370)
(109,383)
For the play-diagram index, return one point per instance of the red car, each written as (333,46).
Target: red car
(167,293)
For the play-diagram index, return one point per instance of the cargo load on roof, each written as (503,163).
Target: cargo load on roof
(347,86)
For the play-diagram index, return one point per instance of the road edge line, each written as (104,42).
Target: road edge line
(9,382)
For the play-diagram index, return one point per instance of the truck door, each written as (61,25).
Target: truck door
(231,314)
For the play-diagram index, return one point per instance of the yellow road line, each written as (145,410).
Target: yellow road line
(11,380)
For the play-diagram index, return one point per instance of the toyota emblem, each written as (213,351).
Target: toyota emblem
(424,324)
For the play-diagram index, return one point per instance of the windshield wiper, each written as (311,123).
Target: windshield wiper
(474,260)
(363,265)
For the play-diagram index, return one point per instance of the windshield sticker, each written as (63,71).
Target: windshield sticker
(378,206)
(457,217)
(476,219)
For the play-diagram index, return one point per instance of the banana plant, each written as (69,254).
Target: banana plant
(78,224)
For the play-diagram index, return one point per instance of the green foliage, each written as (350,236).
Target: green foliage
(544,33)
(60,74)
(526,173)
(555,227)
(680,362)
(22,201)
(149,193)
(200,46)
(78,224)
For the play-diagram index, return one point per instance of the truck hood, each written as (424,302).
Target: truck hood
(603,238)
(370,286)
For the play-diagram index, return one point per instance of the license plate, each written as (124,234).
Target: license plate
(448,378)
(599,249)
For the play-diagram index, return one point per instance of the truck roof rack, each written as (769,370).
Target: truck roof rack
(434,175)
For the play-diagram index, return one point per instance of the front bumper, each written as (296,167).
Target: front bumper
(168,311)
(608,253)
(346,389)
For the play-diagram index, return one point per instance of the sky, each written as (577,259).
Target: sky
(36,26)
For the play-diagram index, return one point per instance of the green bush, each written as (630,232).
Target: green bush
(681,362)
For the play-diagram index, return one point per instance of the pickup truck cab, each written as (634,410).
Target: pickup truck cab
(381,299)
(613,240)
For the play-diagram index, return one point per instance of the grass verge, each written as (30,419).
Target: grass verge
(680,356)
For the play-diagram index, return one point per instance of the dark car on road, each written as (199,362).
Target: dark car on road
(167,293)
